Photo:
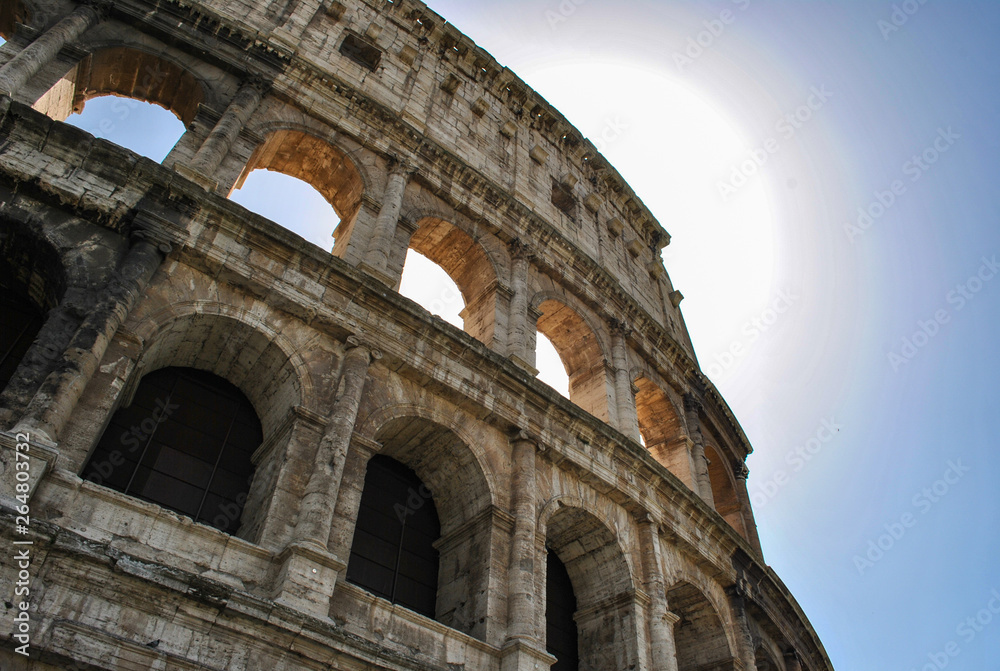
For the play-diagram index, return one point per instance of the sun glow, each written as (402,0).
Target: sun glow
(675,149)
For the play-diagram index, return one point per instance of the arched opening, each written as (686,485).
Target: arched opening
(727,503)
(21,322)
(184,442)
(550,367)
(145,128)
(317,163)
(139,84)
(393,554)
(662,430)
(291,202)
(581,356)
(429,286)
(600,582)
(764,661)
(258,361)
(245,356)
(699,637)
(32,282)
(448,474)
(561,633)
(466,264)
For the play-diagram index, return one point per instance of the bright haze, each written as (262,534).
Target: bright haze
(827,172)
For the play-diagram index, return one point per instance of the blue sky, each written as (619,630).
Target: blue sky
(857,348)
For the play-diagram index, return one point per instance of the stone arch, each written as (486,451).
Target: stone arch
(700,639)
(765,661)
(33,266)
(57,270)
(662,429)
(469,265)
(602,579)
(129,72)
(33,281)
(724,492)
(235,345)
(464,495)
(581,351)
(309,155)
(466,453)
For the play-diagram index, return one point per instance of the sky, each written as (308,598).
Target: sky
(826,171)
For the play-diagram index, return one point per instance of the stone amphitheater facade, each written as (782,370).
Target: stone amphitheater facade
(419,140)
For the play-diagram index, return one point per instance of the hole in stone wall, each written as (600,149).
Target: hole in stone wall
(290,202)
(562,198)
(145,128)
(361,51)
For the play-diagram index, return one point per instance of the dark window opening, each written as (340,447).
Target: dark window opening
(561,636)
(393,554)
(185,443)
(21,322)
(361,51)
(562,197)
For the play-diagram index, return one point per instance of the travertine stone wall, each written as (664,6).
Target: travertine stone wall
(419,140)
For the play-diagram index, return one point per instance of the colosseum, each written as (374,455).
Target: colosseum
(225,448)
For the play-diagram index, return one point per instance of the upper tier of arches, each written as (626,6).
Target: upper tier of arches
(522,264)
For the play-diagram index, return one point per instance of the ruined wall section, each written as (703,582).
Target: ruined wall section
(457,98)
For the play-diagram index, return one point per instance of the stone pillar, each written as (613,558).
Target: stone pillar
(744,640)
(746,512)
(18,70)
(308,571)
(663,655)
(320,498)
(524,648)
(517,339)
(52,404)
(692,407)
(628,417)
(376,261)
(521,601)
(216,146)
(792,662)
